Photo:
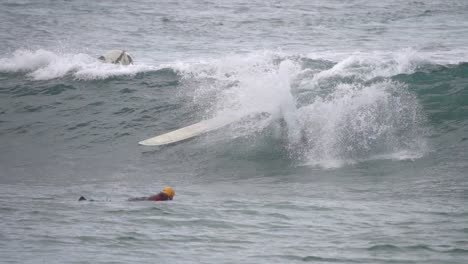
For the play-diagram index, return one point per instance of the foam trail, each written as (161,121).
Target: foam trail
(401,61)
(45,65)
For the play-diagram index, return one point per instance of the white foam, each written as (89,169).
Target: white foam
(400,56)
(45,65)
(351,122)
(366,66)
(358,122)
(349,116)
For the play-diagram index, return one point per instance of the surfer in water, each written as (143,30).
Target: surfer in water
(166,194)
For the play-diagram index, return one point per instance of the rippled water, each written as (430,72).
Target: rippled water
(359,155)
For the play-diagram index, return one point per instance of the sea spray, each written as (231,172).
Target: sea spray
(359,122)
(329,117)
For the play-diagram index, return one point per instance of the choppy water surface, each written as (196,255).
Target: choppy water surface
(360,155)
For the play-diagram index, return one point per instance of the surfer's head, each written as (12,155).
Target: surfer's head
(169,191)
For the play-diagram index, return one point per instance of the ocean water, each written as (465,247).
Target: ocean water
(361,157)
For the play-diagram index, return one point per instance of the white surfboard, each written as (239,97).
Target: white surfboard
(194,130)
(188,132)
(117,57)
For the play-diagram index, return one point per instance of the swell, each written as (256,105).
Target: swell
(15,84)
(415,248)
(443,91)
(322,112)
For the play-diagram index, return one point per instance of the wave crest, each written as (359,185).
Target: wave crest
(46,65)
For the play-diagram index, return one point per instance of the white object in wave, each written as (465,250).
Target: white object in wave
(117,57)
(187,132)
(195,130)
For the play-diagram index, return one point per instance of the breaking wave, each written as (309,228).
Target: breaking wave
(321,112)
(46,65)
(329,113)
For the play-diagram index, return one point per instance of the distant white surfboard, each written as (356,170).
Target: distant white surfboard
(117,57)
(190,131)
